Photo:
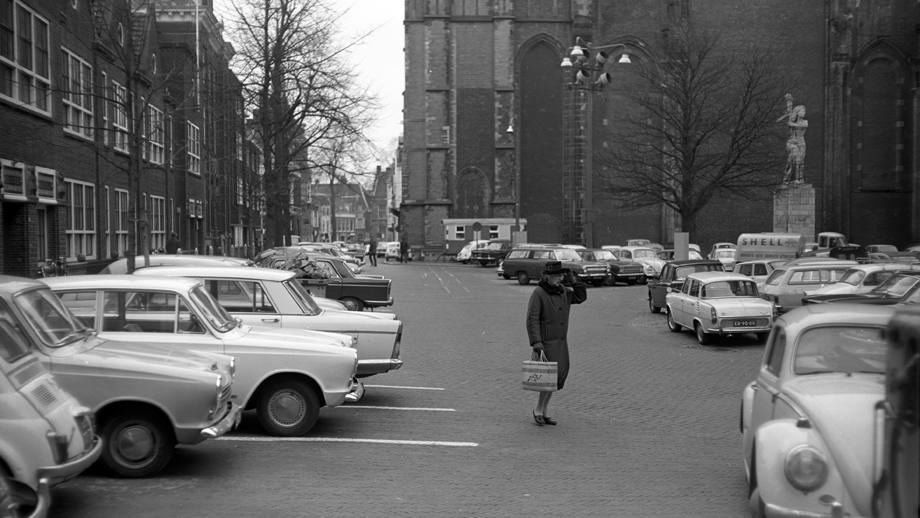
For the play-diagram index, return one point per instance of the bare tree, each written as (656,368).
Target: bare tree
(298,87)
(705,125)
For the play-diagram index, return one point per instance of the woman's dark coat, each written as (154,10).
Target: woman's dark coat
(548,322)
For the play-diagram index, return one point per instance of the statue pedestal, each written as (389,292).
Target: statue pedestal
(794,210)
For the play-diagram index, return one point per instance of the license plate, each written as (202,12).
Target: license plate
(744,323)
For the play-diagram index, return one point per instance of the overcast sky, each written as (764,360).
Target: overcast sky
(378,59)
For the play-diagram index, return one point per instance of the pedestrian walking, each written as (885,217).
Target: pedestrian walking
(372,251)
(403,250)
(548,325)
(172,244)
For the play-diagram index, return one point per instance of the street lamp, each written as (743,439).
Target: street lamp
(588,64)
(517,183)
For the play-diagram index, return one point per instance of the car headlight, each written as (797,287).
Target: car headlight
(216,408)
(806,468)
(649,270)
(713,315)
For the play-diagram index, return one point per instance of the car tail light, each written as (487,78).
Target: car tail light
(58,443)
(806,468)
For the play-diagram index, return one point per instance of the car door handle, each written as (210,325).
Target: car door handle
(270,319)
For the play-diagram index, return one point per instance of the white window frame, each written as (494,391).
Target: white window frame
(459,232)
(77,94)
(107,246)
(194,149)
(80,227)
(28,87)
(156,134)
(121,220)
(105,111)
(120,117)
(493,231)
(157,216)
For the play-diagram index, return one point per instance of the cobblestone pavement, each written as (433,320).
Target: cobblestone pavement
(648,424)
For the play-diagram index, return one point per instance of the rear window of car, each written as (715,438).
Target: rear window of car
(728,289)
(819,276)
(846,349)
(518,254)
(775,278)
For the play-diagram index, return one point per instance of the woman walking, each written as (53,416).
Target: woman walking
(548,325)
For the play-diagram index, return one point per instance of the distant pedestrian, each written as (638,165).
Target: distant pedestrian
(548,324)
(403,250)
(372,251)
(172,244)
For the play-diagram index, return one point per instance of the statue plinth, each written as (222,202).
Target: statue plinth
(794,210)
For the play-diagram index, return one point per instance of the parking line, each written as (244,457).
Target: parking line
(402,387)
(339,439)
(397,408)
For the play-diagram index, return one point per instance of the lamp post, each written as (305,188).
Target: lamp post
(515,234)
(588,63)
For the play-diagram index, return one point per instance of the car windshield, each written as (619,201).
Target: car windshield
(684,271)
(212,310)
(604,255)
(567,254)
(895,286)
(729,289)
(725,253)
(845,349)
(47,316)
(853,277)
(644,253)
(302,296)
(775,278)
(777,264)
(494,246)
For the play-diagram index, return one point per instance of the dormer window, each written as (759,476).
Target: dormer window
(120,34)
(153,65)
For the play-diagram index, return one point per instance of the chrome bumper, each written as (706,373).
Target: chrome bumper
(775,511)
(378,303)
(230,421)
(357,392)
(369,367)
(73,467)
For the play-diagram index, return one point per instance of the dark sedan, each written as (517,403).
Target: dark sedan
(672,278)
(896,289)
(618,271)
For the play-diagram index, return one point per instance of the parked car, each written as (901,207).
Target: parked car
(897,472)
(861,278)
(617,270)
(285,375)
(120,266)
(336,281)
(357,250)
(759,269)
(667,254)
(672,278)
(891,291)
(786,286)
(808,421)
(391,251)
(871,249)
(319,248)
(466,253)
(588,269)
(636,242)
(493,252)
(719,246)
(726,256)
(146,397)
(719,303)
(527,263)
(273,298)
(46,436)
(647,257)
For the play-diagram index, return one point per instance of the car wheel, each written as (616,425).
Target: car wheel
(672,325)
(288,408)
(597,283)
(631,281)
(702,336)
(483,263)
(642,279)
(137,443)
(610,280)
(651,304)
(523,278)
(16,498)
(352,304)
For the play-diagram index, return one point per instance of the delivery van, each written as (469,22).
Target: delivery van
(769,245)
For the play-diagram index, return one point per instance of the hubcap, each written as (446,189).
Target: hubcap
(135,443)
(287,408)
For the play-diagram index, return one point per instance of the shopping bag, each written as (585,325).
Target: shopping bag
(541,374)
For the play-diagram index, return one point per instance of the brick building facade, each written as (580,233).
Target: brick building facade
(475,67)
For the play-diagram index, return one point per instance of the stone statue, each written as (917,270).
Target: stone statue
(795,145)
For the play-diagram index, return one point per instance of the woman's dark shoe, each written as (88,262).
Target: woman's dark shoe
(538,418)
(549,420)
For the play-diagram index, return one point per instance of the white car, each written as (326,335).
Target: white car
(758,269)
(648,257)
(862,278)
(719,303)
(466,252)
(285,375)
(391,251)
(274,298)
(726,256)
(786,286)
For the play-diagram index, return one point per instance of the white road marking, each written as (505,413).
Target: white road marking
(400,387)
(339,439)
(397,408)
